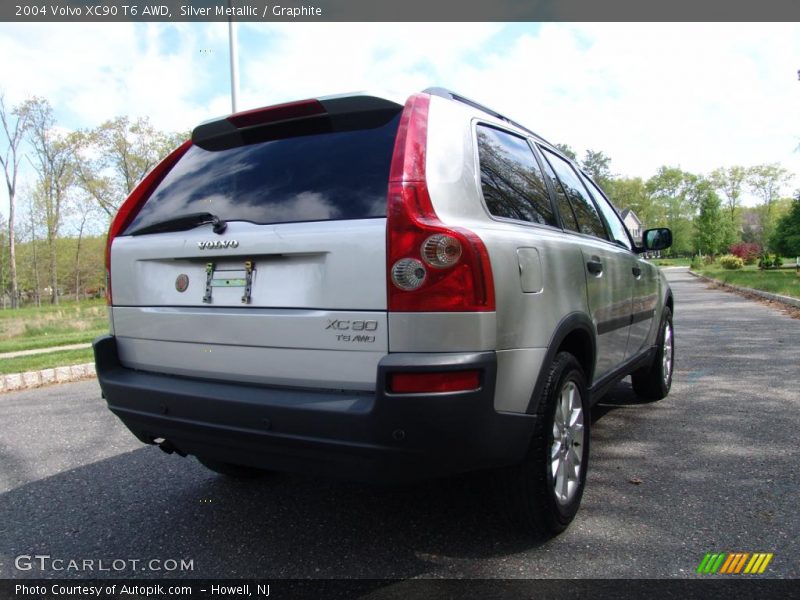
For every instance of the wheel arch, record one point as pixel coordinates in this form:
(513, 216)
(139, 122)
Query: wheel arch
(575, 333)
(670, 302)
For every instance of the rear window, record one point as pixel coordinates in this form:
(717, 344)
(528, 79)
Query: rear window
(320, 177)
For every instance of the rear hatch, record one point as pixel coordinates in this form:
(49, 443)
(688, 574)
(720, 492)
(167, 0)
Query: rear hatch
(261, 255)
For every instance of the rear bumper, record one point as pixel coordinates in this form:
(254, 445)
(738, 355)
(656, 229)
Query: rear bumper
(360, 435)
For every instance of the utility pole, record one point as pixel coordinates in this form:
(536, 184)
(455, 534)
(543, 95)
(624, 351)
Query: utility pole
(234, 55)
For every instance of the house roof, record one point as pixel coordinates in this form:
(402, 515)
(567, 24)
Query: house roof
(628, 212)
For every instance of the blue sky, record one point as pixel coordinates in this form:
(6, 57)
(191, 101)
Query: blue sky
(696, 96)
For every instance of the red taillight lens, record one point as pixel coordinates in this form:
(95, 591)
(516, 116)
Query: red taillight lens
(421, 383)
(133, 204)
(431, 267)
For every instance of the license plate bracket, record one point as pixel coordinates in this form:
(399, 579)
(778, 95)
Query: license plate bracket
(219, 278)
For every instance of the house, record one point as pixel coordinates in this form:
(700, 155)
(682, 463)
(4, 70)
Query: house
(633, 224)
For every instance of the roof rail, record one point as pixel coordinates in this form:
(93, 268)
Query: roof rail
(450, 95)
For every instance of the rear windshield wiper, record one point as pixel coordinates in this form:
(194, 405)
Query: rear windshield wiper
(183, 223)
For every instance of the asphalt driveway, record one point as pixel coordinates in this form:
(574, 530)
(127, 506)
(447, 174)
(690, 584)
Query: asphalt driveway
(713, 467)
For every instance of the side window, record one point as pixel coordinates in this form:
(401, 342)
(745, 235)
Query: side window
(615, 225)
(589, 221)
(564, 206)
(512, 182)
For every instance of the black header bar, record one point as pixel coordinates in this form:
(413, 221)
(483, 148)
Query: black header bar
(397, 10)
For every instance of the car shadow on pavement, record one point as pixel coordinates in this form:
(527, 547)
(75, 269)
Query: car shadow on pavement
(620, 396)
(144, 504)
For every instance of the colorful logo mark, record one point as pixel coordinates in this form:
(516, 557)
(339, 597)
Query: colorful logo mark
(734, 563)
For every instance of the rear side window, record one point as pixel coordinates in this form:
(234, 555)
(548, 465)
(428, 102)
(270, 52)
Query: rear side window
(512, 183)
(319, 177)
(585, 212)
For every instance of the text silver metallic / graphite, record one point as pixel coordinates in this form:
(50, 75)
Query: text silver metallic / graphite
(250, 10)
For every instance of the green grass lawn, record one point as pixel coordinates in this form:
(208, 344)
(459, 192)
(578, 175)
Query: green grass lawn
(779, 281)
(671, 262)
(68, 323)
(45, 361)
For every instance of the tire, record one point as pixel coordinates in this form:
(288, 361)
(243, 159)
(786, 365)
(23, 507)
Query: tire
(654, 382)
(231, 470)
(543, 501)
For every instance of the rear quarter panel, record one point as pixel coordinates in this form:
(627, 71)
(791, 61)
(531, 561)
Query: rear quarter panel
(526, 317)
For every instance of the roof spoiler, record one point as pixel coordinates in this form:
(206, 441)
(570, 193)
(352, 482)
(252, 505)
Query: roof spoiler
(305, 117)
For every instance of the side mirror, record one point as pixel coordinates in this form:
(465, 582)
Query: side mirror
(656, 239)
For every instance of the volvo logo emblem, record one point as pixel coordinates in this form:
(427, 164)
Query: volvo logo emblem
(182, 282)
(217, 244)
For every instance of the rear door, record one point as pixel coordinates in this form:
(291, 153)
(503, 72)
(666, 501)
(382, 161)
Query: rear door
(293, 291)
(607, 269)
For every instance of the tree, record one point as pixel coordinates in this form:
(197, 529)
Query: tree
(567, 150)
(3, 262)
(631, 193)
(730, 182)
(708, 225)
(85, 210)
(52, 159)
(111, 158)
(767, 182)
(596, 164)
(673, 190)
(786, 238)
(34, 263)
(13, 132)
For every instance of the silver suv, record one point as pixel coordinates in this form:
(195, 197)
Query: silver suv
(380, 289)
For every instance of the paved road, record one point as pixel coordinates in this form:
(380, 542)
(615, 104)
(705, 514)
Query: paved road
(717, 460)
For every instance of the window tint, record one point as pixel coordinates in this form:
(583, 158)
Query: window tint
(589, 221)
(512, 182)
(615, 225)
(323, 176)
(564, 207)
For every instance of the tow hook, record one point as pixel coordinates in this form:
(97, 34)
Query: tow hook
(170, 448)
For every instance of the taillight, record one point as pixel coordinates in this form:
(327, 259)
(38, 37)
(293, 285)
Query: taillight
(441, 251)
(133, 204)
(431, 267)
(421, 383)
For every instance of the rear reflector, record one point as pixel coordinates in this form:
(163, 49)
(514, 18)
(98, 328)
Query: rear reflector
(419, 383)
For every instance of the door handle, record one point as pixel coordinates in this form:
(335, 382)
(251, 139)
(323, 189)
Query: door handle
(594, 266)
(637, 272)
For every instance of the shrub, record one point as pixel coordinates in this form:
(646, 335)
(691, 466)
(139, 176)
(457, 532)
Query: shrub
(747, 251)
(697, 263)
(708, 259)
(767, 262)
(731, 262)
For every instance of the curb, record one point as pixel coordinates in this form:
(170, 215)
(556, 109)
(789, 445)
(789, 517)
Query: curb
(32, 379)
(795, 302)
